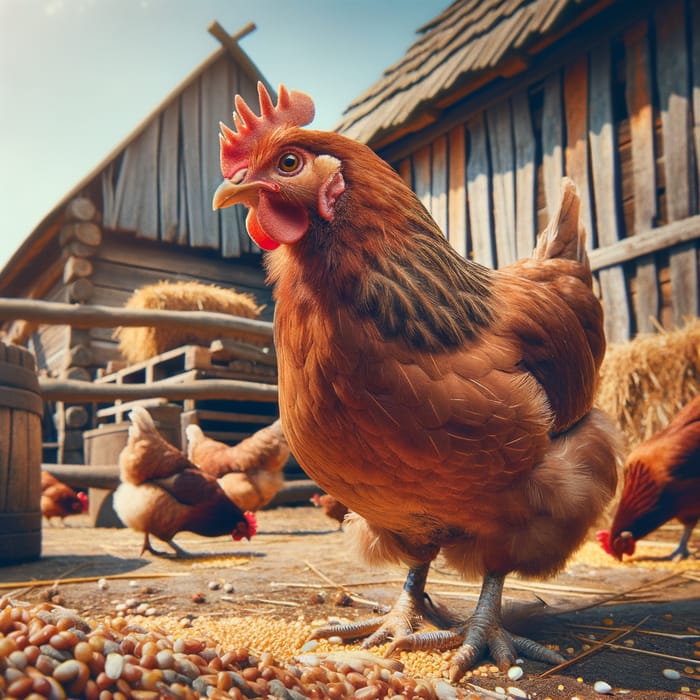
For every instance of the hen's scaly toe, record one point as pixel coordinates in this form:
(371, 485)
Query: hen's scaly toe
(350, 630)
(504, 648)
(407, 615)
(437, 640)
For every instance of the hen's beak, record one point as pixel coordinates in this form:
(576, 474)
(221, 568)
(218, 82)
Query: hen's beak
(227, 194)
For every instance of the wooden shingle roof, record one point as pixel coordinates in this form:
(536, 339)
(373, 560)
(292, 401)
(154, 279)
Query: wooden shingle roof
(469, 43)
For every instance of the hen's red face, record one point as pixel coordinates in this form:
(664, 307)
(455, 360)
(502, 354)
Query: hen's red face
(247, 528)
(617, 546)
(83, 498)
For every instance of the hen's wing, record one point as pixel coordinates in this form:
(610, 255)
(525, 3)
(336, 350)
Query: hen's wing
(147, 455)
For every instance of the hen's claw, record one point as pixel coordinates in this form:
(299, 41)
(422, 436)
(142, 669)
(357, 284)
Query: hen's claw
(406, 615)
(485, 631)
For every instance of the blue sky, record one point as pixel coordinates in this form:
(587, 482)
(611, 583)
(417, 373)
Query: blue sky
(77, 76)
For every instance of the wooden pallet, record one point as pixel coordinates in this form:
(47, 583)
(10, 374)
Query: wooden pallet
(224, 359)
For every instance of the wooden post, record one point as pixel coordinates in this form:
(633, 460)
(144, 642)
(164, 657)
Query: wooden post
(79, 237)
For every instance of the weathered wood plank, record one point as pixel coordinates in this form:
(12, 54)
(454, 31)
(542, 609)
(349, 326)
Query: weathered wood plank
(404, 170)
(174, 261)
(168, 162)
(576, 151)
(525, 177)
(673, 84)
(457, 199)
(646, 243)
(136, 194)
(638, 96)
(192, 161)
(499, 123)
(421, 176)
(695, 72)
(552, 142)
(478, 197)
(215, 108)
(234, 236)
(604, 172)
(438, 184)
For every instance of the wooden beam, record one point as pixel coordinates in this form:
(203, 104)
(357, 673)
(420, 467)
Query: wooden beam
(94, 316)
(106, 476)
(230, 43)
(89, 392)
(646, 242)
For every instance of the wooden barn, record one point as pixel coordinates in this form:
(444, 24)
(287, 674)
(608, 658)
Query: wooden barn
(496, 101)
(140, 217)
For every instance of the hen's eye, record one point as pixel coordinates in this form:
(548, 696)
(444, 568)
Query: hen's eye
(289, 163)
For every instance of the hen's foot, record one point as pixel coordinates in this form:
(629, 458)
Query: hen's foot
(177, 553)
(408, 613)
(682, 552)
(485, 631)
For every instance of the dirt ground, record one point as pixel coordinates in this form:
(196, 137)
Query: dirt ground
(298, 568)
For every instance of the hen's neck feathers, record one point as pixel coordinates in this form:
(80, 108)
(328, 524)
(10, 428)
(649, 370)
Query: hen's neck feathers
(383, 257)
(641, 509)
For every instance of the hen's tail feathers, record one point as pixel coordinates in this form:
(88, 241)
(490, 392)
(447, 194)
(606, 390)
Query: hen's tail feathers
(141, 422)
(564, 236)
(194, 434)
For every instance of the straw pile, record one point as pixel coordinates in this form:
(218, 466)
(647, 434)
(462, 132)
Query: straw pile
(141, 343)
(646, 381)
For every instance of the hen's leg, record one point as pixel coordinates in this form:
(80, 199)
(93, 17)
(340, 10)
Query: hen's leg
(485, 630)
(406, 615)
(147, 546)
(681, 551)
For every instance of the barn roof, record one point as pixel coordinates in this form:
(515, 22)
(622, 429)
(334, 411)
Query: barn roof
(156, 182)
(468, 44)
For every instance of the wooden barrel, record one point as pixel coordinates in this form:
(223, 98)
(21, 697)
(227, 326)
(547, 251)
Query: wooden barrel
(21, 409)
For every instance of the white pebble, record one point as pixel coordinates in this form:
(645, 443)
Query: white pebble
(120, 607)
(445, 691)
(131, 602)
(214, 585)
(602, 687)
(310, 645)
(102, 584)
(149, 612)
(228, 588)
(133, 584)
(671, 674)
(141, 609)
(515, 673)
(335, 640)
(517, 693)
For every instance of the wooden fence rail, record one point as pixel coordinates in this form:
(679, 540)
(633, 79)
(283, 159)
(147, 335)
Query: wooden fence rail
(231, 389)
(86, 316)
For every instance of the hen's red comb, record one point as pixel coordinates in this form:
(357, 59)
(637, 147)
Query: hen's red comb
(293, 108)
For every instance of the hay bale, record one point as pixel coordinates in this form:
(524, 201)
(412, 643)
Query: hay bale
(141, 343)
(646, 381)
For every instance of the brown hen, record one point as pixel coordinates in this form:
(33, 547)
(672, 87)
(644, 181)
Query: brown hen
(163, 493)
(448, 405)
(250, 472)
(58, 500)
(662, 482)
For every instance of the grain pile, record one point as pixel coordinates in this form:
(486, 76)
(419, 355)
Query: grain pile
(50, 652)
(141, 343)
(646, 381)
